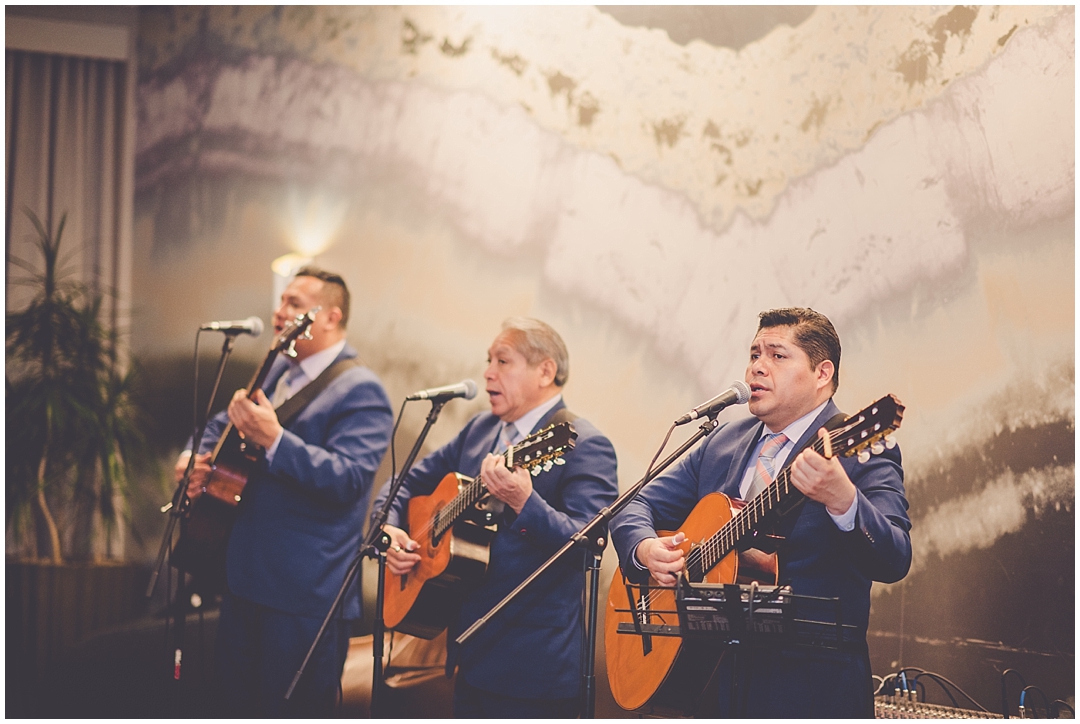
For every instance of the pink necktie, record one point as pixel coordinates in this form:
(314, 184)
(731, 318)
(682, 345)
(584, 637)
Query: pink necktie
(764, 473)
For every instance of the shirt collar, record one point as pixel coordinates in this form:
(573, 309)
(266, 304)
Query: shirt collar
(797, 429)
(314, 365)
(527, 422)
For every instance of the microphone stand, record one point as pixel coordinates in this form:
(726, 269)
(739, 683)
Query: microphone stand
(374, 546)
(592, 537)
(178, 507)
(180, 502)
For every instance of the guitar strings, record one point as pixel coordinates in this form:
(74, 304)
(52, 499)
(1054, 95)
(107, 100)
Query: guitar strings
(727, 533)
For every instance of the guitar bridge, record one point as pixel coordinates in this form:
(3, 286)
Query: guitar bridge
(641, 615)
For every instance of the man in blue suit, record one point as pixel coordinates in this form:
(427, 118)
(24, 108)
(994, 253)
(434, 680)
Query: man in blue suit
(300, 522)
(526, 661)
(852, 529)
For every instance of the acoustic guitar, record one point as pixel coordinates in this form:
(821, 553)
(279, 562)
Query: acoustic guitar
(666, 671)
(454, 527)
(207, 523)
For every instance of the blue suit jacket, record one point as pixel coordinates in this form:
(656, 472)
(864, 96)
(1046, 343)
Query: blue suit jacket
(532, 648)
(300, 522)
(817, 559)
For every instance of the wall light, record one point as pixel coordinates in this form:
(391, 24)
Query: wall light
(284, 269)
(314, 222)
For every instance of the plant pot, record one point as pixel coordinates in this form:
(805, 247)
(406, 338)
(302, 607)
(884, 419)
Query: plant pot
(51, 607)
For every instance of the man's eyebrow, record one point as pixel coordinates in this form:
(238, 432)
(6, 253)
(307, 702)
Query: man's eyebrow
(769, 345)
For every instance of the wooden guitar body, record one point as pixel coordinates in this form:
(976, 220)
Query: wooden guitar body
(665, 671)
(205, 530)
(422, 602)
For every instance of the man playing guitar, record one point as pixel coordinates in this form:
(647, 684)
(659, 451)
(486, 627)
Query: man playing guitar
(527, 660)
(851, 530)
(298, 525)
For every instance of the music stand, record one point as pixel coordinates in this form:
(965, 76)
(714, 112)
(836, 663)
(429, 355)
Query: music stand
(744, 617)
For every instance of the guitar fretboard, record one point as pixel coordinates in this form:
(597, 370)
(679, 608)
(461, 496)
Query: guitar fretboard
(449, 514)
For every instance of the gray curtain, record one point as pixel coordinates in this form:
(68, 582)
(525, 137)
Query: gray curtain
(70, 152)
(67, 154)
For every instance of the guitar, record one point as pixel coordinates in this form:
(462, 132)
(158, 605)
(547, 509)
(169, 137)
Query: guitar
(454, 527)
(207, 522)
(665, 670)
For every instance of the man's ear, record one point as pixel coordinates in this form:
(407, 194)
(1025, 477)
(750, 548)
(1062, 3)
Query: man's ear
(548, 368)
(333, 317)
(825, 372)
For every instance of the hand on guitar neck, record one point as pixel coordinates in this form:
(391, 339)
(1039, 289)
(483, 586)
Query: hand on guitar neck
(512, 487)
(254, 418)
(822, 478)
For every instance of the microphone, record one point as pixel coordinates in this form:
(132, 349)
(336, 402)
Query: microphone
(251, 325)
(737, 394)
(466, 389)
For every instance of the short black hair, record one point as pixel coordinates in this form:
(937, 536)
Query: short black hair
(335, 292)
(813, 332)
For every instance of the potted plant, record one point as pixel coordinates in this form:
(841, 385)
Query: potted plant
(72, 429)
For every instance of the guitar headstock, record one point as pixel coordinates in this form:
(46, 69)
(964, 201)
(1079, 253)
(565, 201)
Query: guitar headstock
(543, 449)
(295, 329)
(868, 428)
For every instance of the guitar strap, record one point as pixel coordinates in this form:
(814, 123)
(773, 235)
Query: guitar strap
(563, 415)
(296, 404)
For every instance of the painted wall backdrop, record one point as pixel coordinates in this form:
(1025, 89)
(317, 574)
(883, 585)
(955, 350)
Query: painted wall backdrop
(647, 179)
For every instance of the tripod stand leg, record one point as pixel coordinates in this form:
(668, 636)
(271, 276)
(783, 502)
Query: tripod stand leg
(588, 668)
(377, 642)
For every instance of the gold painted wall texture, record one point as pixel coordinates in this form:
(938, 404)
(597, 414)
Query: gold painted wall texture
(909, 171)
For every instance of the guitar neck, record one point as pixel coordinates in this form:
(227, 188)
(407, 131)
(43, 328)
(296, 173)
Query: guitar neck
(256, 383)
(469, 496)
(539, 451)
(780, 492)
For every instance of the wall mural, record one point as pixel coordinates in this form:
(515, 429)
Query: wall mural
(647, 180)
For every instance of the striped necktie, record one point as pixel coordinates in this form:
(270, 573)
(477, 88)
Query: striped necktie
(764, 472)
(508, 435)
(283, 390)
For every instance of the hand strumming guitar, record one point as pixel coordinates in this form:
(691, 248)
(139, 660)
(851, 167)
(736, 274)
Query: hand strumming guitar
(199, 474)
(400, 558)
(662, 557)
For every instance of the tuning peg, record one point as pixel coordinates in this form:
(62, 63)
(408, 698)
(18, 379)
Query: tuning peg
(547, 465)
(560, 461)
(290, 351)
(890, 441)
(864, 456)
(877, 448)
(535, 471)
